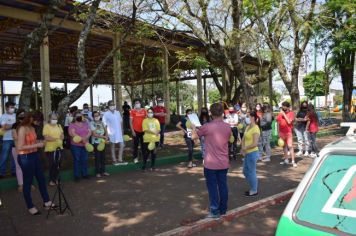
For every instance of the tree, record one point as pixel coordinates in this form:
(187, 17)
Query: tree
(337, 23)
(90, 16)
(314, 84)
(32, 42)
(225, 30)
(214, 96)
(287, 28)
(57, 94)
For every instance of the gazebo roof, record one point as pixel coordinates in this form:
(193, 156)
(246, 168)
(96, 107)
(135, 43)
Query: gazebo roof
(19, 17)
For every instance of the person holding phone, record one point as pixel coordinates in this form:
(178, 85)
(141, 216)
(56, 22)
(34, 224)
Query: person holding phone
(186, 126)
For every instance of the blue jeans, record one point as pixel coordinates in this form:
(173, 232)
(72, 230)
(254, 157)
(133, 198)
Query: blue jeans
(80, 160)
(7, 146)
(249, 169)
(303, 139)
(31, 166)
(202, 145)
(161, 139)
(216, 181)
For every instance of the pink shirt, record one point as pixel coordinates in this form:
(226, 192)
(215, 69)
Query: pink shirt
(81, 131)
(216, 137)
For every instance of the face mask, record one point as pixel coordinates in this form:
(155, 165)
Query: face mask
(258, 108)
(247, 120)
(137, 106)
(160, 104)
(21, 119)
(112, 108)
(54, 122)
(204, 112)
(304, 108)
(243, 109)
(86, 109)
(79, 118)
(150, 115)
(97, 118)
(11, 110)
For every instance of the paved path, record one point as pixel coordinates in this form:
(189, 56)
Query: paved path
(137, 203)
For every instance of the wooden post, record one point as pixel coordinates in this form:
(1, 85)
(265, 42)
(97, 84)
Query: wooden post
(36, 96)
(270, 85)
(199, 89)
(165, 81)
(177, 97)
(91, 98)
(2, 97)
(117, 73)
(45, 78)
(66, 87)
(205, 95)
(112, 92)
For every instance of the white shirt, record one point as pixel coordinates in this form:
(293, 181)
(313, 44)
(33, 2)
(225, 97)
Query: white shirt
(113, 122)
(8, 119)
(232, 119)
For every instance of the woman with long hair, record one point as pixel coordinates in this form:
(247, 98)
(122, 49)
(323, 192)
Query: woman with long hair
(250, 151)
(186, 126)
(29, 160)
(300, 130)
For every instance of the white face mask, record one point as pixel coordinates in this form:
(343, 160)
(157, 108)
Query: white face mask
(258, 108)
(11, 110)
(137, 105)
(247, 120)
(97, 118)
(160, 104)
(112, 108)
(86, 109)
(150, 115)
(54, 122)
(244, 109)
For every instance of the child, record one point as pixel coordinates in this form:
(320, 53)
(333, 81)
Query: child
(99, 135)
(151, 128)
(312, 128)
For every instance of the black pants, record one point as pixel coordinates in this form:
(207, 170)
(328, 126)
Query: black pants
(147, 153)
(137, 140)
(53, 165)
(99, 160)
(233, 146)
(190, 146)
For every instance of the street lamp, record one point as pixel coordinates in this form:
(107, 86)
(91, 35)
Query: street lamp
(315, 51)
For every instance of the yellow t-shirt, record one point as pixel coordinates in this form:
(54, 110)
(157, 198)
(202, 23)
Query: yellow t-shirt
(54, 132)
(153, 125)
(248, 136)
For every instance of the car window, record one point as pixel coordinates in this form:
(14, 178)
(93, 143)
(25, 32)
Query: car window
(330, 200)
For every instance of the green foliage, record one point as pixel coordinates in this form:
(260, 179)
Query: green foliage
(192, 58)
(314, 84)
(57, 94)
(338, 99)
(214, 96)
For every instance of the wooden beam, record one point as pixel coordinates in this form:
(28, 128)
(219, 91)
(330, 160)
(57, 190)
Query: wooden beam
(199, 89)
(117, 70)
(36, 96)
(165, 80)
(2, 96)
(91, 98)
(30, 16)
(45, 78)
(205, 95)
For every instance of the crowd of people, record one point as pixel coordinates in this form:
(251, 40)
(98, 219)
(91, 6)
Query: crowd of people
(226, 132)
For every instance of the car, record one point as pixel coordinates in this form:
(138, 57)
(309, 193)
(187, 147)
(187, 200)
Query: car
(324, 202)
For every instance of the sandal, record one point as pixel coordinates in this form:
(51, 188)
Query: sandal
(49, 205)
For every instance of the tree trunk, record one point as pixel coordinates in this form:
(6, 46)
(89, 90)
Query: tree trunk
(32, 42)
(346, 72)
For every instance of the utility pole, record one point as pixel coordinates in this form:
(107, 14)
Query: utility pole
(315, 51)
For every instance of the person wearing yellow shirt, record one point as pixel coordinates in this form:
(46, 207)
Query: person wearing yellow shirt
(151, 128)
(250, 151)
(53, 135)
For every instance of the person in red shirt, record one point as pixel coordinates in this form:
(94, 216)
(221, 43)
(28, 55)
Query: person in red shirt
(137, 115)
(160, 113)
(312, 128)
(285, 121)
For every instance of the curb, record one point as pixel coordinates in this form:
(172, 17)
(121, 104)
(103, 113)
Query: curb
(230, 215)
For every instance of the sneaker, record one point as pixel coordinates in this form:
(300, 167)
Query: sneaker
(306, 154)
(136, 160)
(285, 162)
(266, 159)
(313, 155)
(298, 154)
(212, 216)
(249, 194)
(288, 153)
(294, 164)
(98, 175)
(105, 174)
(51, 183)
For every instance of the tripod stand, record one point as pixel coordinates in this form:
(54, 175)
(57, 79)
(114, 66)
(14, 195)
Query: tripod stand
(63, 204)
